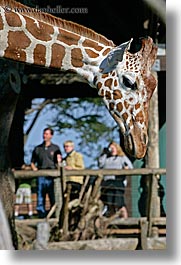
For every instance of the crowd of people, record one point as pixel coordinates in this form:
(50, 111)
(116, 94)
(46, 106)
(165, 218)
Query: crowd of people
(48, 155)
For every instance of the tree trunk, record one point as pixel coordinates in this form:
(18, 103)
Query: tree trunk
(9, 89)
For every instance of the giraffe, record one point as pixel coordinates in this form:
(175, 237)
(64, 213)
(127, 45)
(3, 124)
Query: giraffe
(122, 76)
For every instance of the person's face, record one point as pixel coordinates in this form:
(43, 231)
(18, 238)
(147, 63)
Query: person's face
(68, 147)
(47, 136)
(113, 150)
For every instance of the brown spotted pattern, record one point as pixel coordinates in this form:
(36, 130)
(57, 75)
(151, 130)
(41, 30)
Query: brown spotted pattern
(42, 43)
(76, 57)
(91, 53)
(68, 38)
(40, 30)
(46, 45)
(40, 54)
(129, 106)
(117, 94)
(119, 107)
(91, 43)
(1, 23)
(58, 53)
(16, 48)
(108, 83)
(13, 19)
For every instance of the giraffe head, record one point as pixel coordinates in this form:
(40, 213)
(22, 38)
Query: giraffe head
(126, 84)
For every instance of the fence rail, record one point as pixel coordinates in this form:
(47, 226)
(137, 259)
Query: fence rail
(61, 174)
(146, 227)
(84, 172)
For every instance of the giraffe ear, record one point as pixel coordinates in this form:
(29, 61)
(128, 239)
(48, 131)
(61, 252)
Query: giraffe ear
(115, 56)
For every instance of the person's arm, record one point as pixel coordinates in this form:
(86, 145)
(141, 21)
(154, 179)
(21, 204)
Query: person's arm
(127, 163)
(33, 161)
(57, 157)
(102, 160)
(34, 167)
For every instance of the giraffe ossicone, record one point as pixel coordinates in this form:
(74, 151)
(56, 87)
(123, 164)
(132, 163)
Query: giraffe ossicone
(121, 74)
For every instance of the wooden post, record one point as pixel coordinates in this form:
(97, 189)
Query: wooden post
(63, 187)
(96, 189)
(10, 87)
(5, 235)
(42, 237)
(152, 160)
(58, 193)
(144, 229)
(65, 216)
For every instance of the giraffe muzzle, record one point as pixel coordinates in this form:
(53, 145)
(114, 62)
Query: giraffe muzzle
(136, 143)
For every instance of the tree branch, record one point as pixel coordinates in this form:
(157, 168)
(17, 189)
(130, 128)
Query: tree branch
(39, 109)
(42, 105)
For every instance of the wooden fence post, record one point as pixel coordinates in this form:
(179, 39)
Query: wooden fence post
(42, 237)
(152, 160)
(58, 184)
(5, 235)
(63, 187)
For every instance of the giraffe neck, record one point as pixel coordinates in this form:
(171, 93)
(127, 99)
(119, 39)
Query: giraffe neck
(41, 39)
(123, 78)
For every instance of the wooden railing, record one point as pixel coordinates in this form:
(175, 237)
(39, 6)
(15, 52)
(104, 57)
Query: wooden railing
(145, 228)
(84, 172)
(61, 173)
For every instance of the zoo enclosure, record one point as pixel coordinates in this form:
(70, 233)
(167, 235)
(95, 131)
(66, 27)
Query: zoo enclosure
(60, 175)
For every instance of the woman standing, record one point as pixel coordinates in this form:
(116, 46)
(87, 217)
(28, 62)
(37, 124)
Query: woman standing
(113, 187)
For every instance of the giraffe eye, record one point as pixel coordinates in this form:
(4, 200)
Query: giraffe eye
(129, 83)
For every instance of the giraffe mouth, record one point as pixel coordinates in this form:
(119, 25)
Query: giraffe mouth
(136, 143)
(135, 138)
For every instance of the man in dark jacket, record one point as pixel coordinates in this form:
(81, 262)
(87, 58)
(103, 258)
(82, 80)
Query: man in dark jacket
(44, 156)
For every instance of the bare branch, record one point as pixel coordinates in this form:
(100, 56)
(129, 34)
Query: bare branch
(39, 108)
(42, 105)
(33, 122)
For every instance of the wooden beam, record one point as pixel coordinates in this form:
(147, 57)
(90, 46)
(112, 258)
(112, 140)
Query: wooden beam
(122, 231)
(35, 222)
(99, 244)
(131, 221)
(92, 172)
(156, 243)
